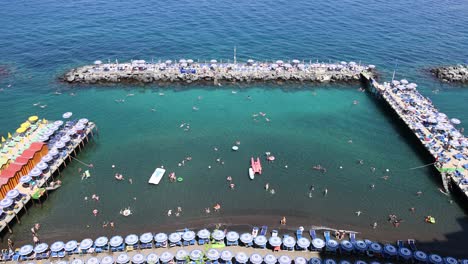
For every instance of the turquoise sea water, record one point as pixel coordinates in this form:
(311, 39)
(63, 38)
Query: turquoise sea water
(40, 40)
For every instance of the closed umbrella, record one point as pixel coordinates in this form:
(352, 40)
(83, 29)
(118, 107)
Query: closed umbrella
(246, 238)
(160, 237)
(305, 243)
(152, 258)
(57, 246)
(421, 256)
(71, 245)
(275, 241)
(300, 260)
(435, 259)
(146, 237)
(241, 257)
(256, 258)
(122, 258)
(41, 248)
(318, 243)
(196, 254)
(232, 236)
(203, 234)
(213, 254)
(107, 260)
(93, 260)
(26, 250)
(188, 236)
(116, 241)
(86, 243)
(175, 237)
(138, 258)
(260, 240)
(289, 242)
(284, 260)
(218, 234)
(269, 259)
(181, 254)
(226, 255)
(101, 241)
(166, 257)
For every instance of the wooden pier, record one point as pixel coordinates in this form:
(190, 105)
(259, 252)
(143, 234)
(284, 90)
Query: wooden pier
(35, 193)
(445, 143)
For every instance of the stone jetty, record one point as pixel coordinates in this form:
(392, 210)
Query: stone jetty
(188, 71)
(453, 74)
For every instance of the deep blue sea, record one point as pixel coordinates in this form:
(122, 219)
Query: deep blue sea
(310, 124)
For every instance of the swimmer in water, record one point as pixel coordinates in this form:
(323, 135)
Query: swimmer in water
(267, 186)
(272, 191)
(372, 186)
(310, 194)
(358, 213)
(207, 210)
(169, 213)
(418, 193)
(325, 192)
(229, 178)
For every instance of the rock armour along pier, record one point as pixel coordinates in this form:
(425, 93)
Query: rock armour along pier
(453, 74)
(188, 71)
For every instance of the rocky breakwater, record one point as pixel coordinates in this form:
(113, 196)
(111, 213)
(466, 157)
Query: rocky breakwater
(188, 71)
(455, 74)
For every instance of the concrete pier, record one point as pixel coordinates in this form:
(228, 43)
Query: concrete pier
(187, 71)
(436, 132)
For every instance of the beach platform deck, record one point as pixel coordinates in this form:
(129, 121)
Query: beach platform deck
(40, 187)
(436, 132)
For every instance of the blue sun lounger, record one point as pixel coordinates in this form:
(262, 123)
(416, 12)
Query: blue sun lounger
(326, 235)
(352, 237)
(412, 244)
(264, 230)
(298, 234)
(312, 234)
(400, 244)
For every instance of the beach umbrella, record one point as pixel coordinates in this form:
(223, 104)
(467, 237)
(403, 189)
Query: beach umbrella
(405, 253)
(213, 61)
(35, 172)
(404, 81)
(77, 261)
(97, 62)
(79, 126)
(131, 239)
(71, 245)
(318, 243)
(182, 61)
(232, 236)
(226, 255)
(287, 65)
(43, 138)
(329, 261)
(12, 194)
(250, 61)
(166, 257)
(53, 152)
(196, 254)
(260, 240)
(146, 237)
(190, 61)
(269, 259)
(360, 245)
(7, 202)
(86, 243)
(218, 234)
(122, 258)
(101, 241)
(26, 250)
(375, 262)
(203, 234)
(188, 236)
(279, 62)
(213, 254)
(42, 247)
(168, 62)
(57, 246)
(65, 139)
(371, 66)
(184, 64)
(450, 260)
(138, 258)
(58, 123)
(305, 243)
(42, 166)
(296, 61)
(160, 237)
(346, 245)
(246, 238)
(93, 260)
(435, 259)
(152, 258)
(83, 121)
(274, 65)
(300, 260)
(360, 262)
(116, 241)
(241, 257)
(256, 258)
(284, 260)
(59, 145)
(289, 242)
(345, 262)
(455, 121)
(58, 262)
(46, 158)
(420, 256)
(390, 250)
(375, 247)
(332, 244)
(174, 237)
(275, 241)
(67, 115)
(181, 254)
(107, 260)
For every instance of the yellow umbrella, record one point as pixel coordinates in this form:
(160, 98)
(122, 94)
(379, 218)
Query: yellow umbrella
(33, 119)
(3, 139)
(44, 121)
(20, 130)
(9, 135)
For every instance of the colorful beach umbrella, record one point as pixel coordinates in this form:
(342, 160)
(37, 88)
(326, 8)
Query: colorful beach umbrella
(346, 245)
(375, 247)
(360, 245)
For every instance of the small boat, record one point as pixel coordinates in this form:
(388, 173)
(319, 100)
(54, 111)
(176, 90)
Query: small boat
(157, 176)
(251, 174)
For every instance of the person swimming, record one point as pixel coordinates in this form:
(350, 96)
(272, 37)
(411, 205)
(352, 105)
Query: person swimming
(229, 178)
(272, 191)
(267, 186)
(325, 192)
(169, 212)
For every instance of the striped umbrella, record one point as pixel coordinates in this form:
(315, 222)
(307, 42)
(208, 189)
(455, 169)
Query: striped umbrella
(405, 253)
(166, 257)
(451, 260)
(346, 245)
(361, 245)
(213, 254)
(318, 243)
(390, 250)
(284, 260)
(152, 258)
(332, 244)
(107, 260)
(375, 247)
(138, 258)
(435, 259)
(122, 258)
(256, 258)
(421, 256)
(92, 260)
(270, 259)
(196, 254)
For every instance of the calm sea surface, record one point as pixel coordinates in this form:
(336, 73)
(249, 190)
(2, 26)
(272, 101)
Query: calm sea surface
(40, 40)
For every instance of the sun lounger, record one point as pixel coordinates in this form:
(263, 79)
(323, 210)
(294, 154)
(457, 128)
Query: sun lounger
(412, 244)
(312, 234)
(274, 233)
(326, 235)
(298, 233)
(352, 237)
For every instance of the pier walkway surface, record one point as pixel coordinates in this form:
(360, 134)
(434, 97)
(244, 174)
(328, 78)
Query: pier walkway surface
(61, 141)
(188, 71)
(434, 129)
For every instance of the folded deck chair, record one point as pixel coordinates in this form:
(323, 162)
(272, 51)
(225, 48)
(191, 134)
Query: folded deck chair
(264, 230)
(412, 244)
(326, 235)
(312, 234)
(400, 243)
(298, 233)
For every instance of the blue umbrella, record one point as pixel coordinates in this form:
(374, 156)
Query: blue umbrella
(390, 250)
(405, 253)
(101, 241)
(86, 243)
(246, 238)
(59, 145)
(146, 237)
(435, 259)
(152, 258)
(226, 255)
(450, 260)
(346, 245)
(181, 254)
(25, 179)
(289, 242)
(7, 202)
(71, 245)
(58, 123)
(65, 139)
(305, 243)
(332, 244)
(256, 258)
(107, 260)
(196, 254)
(41, 248)
(315, 261)
(26, 250)
(203, 234)
(131, 239)
(53, 152)
(160, 237)
(260, 240)
(12, 194)
(122, 258)
(116, 241)
(232, 236)
(361, 245)
(35, 172)
(274, 241)
(241, 257)
(47, 158)
(166, 257)
(174, 237)
(345, 262)
(464, 261)
(375, 247)
(421, 256)
(188, 236)
(375, 262)
(42, 166)
(57, 246)
(213, 254)
(329, 261)
(92, 260)
(284, 260)
(318, 243)
(300, 260)
(138, 258)
(218, 234)
(269, 259)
